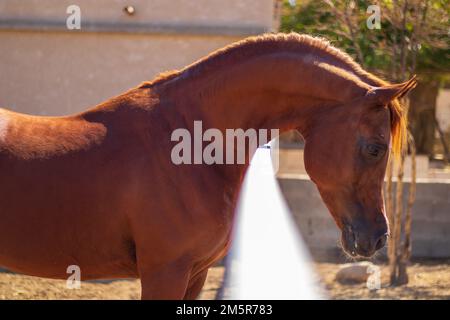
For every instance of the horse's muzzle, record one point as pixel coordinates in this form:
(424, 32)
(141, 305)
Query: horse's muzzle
(361, 242)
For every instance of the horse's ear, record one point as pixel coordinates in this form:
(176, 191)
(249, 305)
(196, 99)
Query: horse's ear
(395, 91)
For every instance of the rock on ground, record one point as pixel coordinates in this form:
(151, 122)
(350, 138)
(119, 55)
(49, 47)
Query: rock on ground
(357, 272)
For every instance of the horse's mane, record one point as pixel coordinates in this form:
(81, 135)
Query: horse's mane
(303, 44)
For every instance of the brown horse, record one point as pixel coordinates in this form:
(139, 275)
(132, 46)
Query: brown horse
(99, 190)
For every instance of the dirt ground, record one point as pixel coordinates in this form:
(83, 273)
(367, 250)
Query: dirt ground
(428, 280)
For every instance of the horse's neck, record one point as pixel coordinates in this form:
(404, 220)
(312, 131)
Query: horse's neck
(282, 91)
(269, 92)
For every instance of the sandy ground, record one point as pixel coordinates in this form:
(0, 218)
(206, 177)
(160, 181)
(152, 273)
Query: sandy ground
(427, 281)
(17, 287)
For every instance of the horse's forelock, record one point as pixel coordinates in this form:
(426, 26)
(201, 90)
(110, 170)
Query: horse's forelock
(398, 127)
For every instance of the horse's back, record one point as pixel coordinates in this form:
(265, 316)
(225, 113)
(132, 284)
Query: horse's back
(30, 137)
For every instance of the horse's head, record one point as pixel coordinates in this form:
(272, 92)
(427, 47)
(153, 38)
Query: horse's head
(346, 155)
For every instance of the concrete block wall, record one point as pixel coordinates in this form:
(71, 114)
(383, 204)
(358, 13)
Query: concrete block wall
(430, 218)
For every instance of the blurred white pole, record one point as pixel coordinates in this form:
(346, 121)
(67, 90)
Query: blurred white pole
(268, 259)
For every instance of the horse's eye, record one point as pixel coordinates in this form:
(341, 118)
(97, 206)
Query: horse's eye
(375, 151)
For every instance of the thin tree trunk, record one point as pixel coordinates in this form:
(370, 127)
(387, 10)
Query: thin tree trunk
(404, 45)
(406, 247)
(351, 29)
(390, 209)
(397, 220)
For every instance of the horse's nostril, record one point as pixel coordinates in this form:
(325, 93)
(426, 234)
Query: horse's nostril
(381, 242)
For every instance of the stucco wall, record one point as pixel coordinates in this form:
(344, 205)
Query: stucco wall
(54, 73)
(47, 69)
(443, 109)
(182, 12)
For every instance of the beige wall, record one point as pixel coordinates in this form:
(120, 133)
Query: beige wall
(185, 12)
(443, 109)
(46, 69)
(60, 73)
